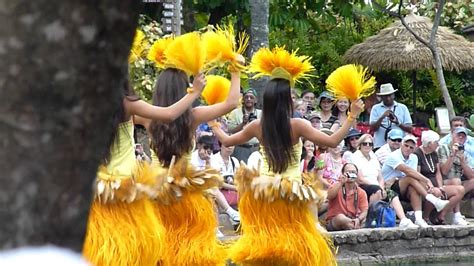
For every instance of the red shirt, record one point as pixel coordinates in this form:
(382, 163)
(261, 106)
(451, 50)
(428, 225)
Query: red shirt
(338, 205)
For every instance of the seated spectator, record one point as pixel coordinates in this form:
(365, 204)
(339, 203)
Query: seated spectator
(428, 165)
(309, 97)
(300, 109)
(350, 144)
(371, 181)
(308, 158)
(400, 174)
(459, 121)
(315, 119)
(455, 161)
(348, 204)
(333, 163)
(294, 96)
(228, 166)
(201, 158)
(325, 103)
(394, 140)
(340, 110)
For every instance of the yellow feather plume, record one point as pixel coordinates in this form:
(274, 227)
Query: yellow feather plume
(138, 46)
(351, 81)
(279, 63)
(186, 52)
(221, 45)
(216, 90)
(157, 51)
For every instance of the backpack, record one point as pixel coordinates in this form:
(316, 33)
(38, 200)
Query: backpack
(380, 214)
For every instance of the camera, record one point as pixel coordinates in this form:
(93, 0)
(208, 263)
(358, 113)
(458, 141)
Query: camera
(351, 176)
(460, 147)
(252, 116)
(309, 108)
(391, 116)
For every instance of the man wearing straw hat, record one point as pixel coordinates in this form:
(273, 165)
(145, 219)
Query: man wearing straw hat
(388, 115)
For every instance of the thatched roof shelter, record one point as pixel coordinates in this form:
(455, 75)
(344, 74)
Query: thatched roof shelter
(395, 48)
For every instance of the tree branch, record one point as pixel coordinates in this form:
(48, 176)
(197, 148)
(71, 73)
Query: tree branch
(436, 23)
(402, 20)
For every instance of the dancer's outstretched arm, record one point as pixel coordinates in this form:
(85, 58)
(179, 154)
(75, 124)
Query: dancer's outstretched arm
(144, 110)
(241, 137)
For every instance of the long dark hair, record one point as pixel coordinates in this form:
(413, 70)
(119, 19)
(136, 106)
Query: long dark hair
(119, 116)
(173, 138)
(276, 126)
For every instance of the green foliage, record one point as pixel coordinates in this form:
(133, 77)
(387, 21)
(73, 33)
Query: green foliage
(142, 72)
(456, 14)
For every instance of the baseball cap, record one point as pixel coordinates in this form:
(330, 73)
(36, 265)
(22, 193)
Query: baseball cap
(460, 130)
(395, 134)
(314, 114)
(410, 137)
(252, 91)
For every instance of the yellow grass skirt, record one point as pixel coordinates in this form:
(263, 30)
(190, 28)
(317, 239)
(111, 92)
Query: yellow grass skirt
(187, 214)
(275, 229)
(190, 225)
(124, 229)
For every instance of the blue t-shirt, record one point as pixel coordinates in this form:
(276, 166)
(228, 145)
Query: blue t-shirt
(402, 113)
(393, 160)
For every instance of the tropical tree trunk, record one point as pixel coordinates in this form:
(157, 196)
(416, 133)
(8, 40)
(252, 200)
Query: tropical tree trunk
(62, 63)
(442, 84)
(258, 34)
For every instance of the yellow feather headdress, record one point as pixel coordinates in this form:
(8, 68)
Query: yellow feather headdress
(157, 51)
(186, 52)
(221, 45)
(138, 46)
(216, 90)
(279, 63)
(351, 81)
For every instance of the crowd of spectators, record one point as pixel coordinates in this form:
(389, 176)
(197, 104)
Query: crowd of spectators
(429, 180)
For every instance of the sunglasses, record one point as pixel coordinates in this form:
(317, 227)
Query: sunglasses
(396, 140)
(370, 144)
(409, 146)
(353, 138)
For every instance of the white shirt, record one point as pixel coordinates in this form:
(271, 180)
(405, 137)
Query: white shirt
(197, 162)
(370, 169)
(382, 153)
(226, 169)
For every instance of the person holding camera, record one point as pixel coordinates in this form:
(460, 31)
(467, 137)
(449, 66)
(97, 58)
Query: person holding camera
(388, 115)
(239, 118)
(348, 203)
(455, 163)
(459, 121)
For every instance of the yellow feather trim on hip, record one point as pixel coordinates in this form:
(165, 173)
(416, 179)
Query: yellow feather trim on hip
(170, 184)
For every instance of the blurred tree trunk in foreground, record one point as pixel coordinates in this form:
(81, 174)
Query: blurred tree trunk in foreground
(62, 63)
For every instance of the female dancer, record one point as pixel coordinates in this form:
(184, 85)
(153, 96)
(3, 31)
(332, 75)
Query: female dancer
(277, 224)
(123, 228)
(183, 205)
